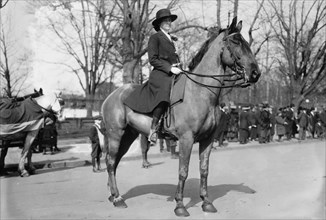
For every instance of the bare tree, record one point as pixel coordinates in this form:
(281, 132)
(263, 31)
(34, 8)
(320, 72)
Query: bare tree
(136, 28)
(3, 3)
(235, 8)
(300, 38)
(84, 40)
(218, 13)
(13, 68)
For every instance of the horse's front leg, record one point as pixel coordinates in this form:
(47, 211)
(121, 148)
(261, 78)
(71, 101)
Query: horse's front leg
(185, 147)
(25, 153)
(205, 148)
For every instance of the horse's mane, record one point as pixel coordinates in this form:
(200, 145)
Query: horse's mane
(204, 48)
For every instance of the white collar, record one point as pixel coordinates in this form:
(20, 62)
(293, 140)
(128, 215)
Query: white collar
(168, 35)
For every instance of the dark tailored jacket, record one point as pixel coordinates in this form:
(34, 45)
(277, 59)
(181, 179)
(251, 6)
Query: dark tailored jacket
(303, 120)
(223, 124)
(265, 119)
(253, 118)
(244, 120)
(280, 122)
(161, 55)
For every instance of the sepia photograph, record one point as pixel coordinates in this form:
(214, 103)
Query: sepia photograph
(162, 109)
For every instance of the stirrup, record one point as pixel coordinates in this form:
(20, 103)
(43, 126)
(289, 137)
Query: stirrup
(152, 137)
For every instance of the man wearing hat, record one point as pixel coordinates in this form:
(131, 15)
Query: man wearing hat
(265, 124)
(244, 125)
(97, 139)
(153, 97)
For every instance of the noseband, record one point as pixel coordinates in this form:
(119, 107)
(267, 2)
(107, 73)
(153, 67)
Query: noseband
(239, 70)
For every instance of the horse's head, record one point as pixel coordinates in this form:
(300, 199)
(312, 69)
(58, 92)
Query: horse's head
(50, 102)
(237, 54)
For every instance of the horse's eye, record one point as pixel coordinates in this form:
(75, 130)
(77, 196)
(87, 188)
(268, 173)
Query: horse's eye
(235, 42)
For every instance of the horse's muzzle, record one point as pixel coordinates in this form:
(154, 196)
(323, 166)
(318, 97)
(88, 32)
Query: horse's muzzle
(254, 76)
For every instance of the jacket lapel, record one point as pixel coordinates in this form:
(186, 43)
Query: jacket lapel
(166, 38)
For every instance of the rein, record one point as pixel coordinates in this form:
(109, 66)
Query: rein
(187, 73)
(237, 68)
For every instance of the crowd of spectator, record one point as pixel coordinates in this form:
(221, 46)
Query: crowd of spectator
(264, 123)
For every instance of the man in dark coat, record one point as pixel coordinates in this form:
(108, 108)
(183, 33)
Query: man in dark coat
(94, 135)
(313, 120)
(244, 125)
(153, 97)
(265, 124)
(222, 125)
(280, 125)
(289, 118)
(302, 123)
(253, 120)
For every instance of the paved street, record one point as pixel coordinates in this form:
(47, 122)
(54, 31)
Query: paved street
(288, 181)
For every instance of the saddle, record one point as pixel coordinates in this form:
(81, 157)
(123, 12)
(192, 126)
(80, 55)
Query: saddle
(176, 97)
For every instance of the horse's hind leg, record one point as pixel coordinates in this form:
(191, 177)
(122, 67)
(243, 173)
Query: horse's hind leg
(31, 168)
(3, 153)
(205, 148)
(118, 146)
(26, 153)
(144, 144)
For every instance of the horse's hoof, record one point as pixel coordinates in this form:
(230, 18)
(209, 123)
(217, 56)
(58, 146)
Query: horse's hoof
(181, 212)
(208, 207)
(24, 174)
(146, 165)
(120, 204)
(111, 198)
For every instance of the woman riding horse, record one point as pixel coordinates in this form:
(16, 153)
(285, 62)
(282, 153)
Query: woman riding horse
(153, 97)
(195, 119)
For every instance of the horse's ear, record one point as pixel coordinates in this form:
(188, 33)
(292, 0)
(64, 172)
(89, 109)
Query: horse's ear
(239, 26)
(233, 24)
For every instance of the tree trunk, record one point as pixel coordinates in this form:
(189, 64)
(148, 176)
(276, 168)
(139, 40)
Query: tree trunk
(89, 104)
(235, 9)
(129, 75)
(218, 13)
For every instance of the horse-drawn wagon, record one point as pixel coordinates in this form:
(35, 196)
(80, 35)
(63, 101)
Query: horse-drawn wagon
(21, 122)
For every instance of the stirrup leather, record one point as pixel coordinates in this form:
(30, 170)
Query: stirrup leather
(152, 137)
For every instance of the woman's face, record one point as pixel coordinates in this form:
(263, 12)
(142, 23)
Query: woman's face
(166, 24)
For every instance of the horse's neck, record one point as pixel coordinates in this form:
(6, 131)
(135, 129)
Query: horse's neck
(41, 101)
(210, 65)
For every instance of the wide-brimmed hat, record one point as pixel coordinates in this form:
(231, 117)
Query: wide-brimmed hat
(161, 14)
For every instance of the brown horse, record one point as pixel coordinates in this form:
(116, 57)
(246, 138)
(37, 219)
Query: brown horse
(34, 110)
(195, 118)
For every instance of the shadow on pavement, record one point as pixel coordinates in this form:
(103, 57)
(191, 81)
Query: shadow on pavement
(168, 190)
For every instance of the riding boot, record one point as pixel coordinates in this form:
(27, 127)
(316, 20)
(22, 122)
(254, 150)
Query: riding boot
(153, 131)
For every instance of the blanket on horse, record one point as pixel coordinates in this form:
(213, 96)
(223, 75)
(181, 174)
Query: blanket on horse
(21, 116)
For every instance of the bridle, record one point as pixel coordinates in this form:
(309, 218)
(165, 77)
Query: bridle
(239, 70)
(49, 109)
